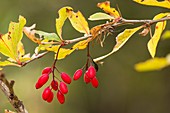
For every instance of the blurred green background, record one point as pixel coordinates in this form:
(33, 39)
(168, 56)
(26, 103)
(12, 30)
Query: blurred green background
(121, 89)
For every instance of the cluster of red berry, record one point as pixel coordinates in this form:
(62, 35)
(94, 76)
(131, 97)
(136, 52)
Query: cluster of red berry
(89, 76)
(61, 86)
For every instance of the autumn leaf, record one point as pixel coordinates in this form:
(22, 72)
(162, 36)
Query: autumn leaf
(162, 3)
(7, 63)
(100, 16)
(160, 26)
(31, 34)
(10, 44)
(121, 39)
(106, 7)
(153, 64)
(63, 52)
(60, 21)
(166, 35)
(78, 21)
(8, 111)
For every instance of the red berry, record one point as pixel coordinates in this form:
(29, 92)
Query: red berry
(46, 93)
(63, 88)
(50, 98)
(86, 79)
(54, 85)
(77, 74)
(46, 70)
(66, 78)
(95, 82)
(42, 80)
(37, 86)
(60, 97)
(91, 72)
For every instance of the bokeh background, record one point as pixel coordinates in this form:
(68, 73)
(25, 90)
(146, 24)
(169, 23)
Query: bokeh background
(121, 89)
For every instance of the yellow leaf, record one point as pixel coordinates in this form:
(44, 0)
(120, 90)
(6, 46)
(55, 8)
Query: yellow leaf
(7, 63)
(153, 42)
(63, 52)
(100, 16)
(166, 35)
(60, 21)
(78, 21)
(152, 64)
(106, 7)
(162, 3)
(9, 42)
(80, 45)
(121, 39)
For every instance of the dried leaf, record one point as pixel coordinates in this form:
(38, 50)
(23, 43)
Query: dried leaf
(31, 34)
(78, 21)
(166, 35)
(100, 16)
(152, 64)
(160, 26)
(121, 39)
(60, 21)
(106, 7)
(8, 111)
(145, 31)
(161, 3)
(43, 36)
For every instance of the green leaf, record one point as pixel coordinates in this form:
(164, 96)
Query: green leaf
(100, 16)
(166, 35)
(48, 36)
(161, 3)
(160, 26)
(121, 39)
(60, 21)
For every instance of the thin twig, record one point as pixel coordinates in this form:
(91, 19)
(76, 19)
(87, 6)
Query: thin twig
(7, 89)
(34, 58)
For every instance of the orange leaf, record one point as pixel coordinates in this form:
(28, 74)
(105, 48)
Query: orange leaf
(106, 7)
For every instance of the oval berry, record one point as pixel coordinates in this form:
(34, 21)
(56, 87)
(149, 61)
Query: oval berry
(47, 70)
(60, 97)
(42, 80)
(63, 88)
(54, 85)
(37, 85)
(91, 72)
(46, 93)
(77, 74)
(50, 98)
(66, 78)
(95, 82)
(86, 79)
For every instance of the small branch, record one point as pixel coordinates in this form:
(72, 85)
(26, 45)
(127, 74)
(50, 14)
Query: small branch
(77, 39)
(7, 89)
(34, 58)
(145, 21)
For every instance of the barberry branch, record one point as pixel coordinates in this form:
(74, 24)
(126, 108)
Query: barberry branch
(34, 58)
(7, 89)
(104, 28)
